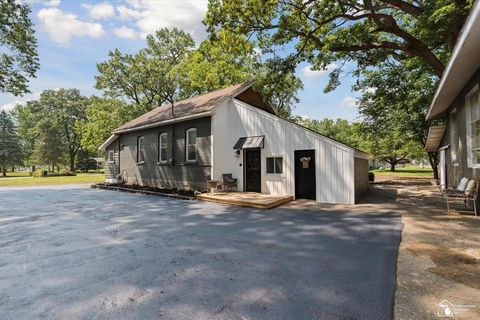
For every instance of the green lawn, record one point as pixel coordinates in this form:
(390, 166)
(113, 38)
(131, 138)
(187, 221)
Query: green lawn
(29, 181)
(16, 174)
(407, 171)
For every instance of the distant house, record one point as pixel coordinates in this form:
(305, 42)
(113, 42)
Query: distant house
(457, 100)
(234, 131)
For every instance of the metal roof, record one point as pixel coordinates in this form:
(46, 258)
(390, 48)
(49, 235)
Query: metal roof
(435, 136)
(249, 143)
(188, 107)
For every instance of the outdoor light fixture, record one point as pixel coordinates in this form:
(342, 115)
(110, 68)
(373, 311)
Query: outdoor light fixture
(236, 153)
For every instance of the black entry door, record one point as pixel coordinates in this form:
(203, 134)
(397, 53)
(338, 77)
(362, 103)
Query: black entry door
(305, 174)
(252, 170)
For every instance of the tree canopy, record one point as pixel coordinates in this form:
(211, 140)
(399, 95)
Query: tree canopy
(18, 47)
(50, 124)
(367, 32)
(103, 115)
(148, 77)
(394, 101)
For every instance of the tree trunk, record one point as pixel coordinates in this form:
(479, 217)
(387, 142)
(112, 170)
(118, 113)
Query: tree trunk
(72, 162)
(72, 155)
(433, 159)
(4, 171)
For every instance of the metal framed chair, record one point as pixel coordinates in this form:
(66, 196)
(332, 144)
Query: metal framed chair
(229, 182)
(470, 193)
(211, 184)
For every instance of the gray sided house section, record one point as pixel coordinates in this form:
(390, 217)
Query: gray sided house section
(456, 171)
(361, 177)
(177, 172)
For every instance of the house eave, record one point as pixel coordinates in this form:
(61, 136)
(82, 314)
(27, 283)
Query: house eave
(461, 66)
(108, 142)
(165, 122)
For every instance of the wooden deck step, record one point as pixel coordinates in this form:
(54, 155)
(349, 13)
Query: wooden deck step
(246, 199)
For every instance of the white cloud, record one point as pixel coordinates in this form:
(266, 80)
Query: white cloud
(128, 13)
(125, 32)
(63, 26)
(9, 106)
(27, 97)
(149, 16)
(100, 11)
(307, 72)
(349, 102)
(47, 3)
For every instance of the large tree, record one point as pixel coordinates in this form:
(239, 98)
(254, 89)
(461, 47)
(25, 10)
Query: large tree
(228, 59)
(66, 109)
(50, 145)
(103, 116)
(365, 31)
(18, 47)
(49, 126)
(10, 145)
(395, 98)
(147, 77)
(350, 133)
(24, 115)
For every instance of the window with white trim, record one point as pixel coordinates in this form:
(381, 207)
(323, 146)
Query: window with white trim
(111, 156)
(162, 147)
(191, 145)
(275, 165)
(454, 137)
(140, 149)
(473, 129)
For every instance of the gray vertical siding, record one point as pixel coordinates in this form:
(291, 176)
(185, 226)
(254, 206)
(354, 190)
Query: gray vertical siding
(361, 177)
(177, 172)
(455, 173)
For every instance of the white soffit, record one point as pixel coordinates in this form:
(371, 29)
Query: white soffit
(463, 64)
(108, 142)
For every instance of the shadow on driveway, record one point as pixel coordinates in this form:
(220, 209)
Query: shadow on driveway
(84, 254)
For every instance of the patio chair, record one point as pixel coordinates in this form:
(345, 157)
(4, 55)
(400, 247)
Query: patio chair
(459, 188)
(229, 182)
(211, 184)
(462, 192)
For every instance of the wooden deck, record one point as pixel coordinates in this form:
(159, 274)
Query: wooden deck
(246, 199)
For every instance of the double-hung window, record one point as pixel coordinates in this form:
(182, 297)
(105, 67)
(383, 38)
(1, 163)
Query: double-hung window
(111, 156)
(473, 129)
(163, 147)
(191, 145)
(275, 165)
(140, 150)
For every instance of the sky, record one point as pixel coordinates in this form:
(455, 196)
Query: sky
(74, 35)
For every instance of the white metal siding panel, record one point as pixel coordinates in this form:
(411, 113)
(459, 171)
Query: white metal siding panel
(234, 119)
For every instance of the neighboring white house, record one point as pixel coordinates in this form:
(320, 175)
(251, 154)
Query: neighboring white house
(245, 138)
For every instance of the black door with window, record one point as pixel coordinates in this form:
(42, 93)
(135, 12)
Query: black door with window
(252, 170)
(305, 174)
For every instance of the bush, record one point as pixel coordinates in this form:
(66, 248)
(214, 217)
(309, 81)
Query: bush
(371, 176)
(44, 173)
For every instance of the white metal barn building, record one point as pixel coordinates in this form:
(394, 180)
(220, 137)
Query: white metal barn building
(234, 131)
(331, 172)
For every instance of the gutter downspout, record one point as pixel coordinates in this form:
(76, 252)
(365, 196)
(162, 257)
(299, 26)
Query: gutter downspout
(119, 150)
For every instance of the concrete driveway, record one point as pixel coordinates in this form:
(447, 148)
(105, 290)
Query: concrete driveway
(77, 253)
